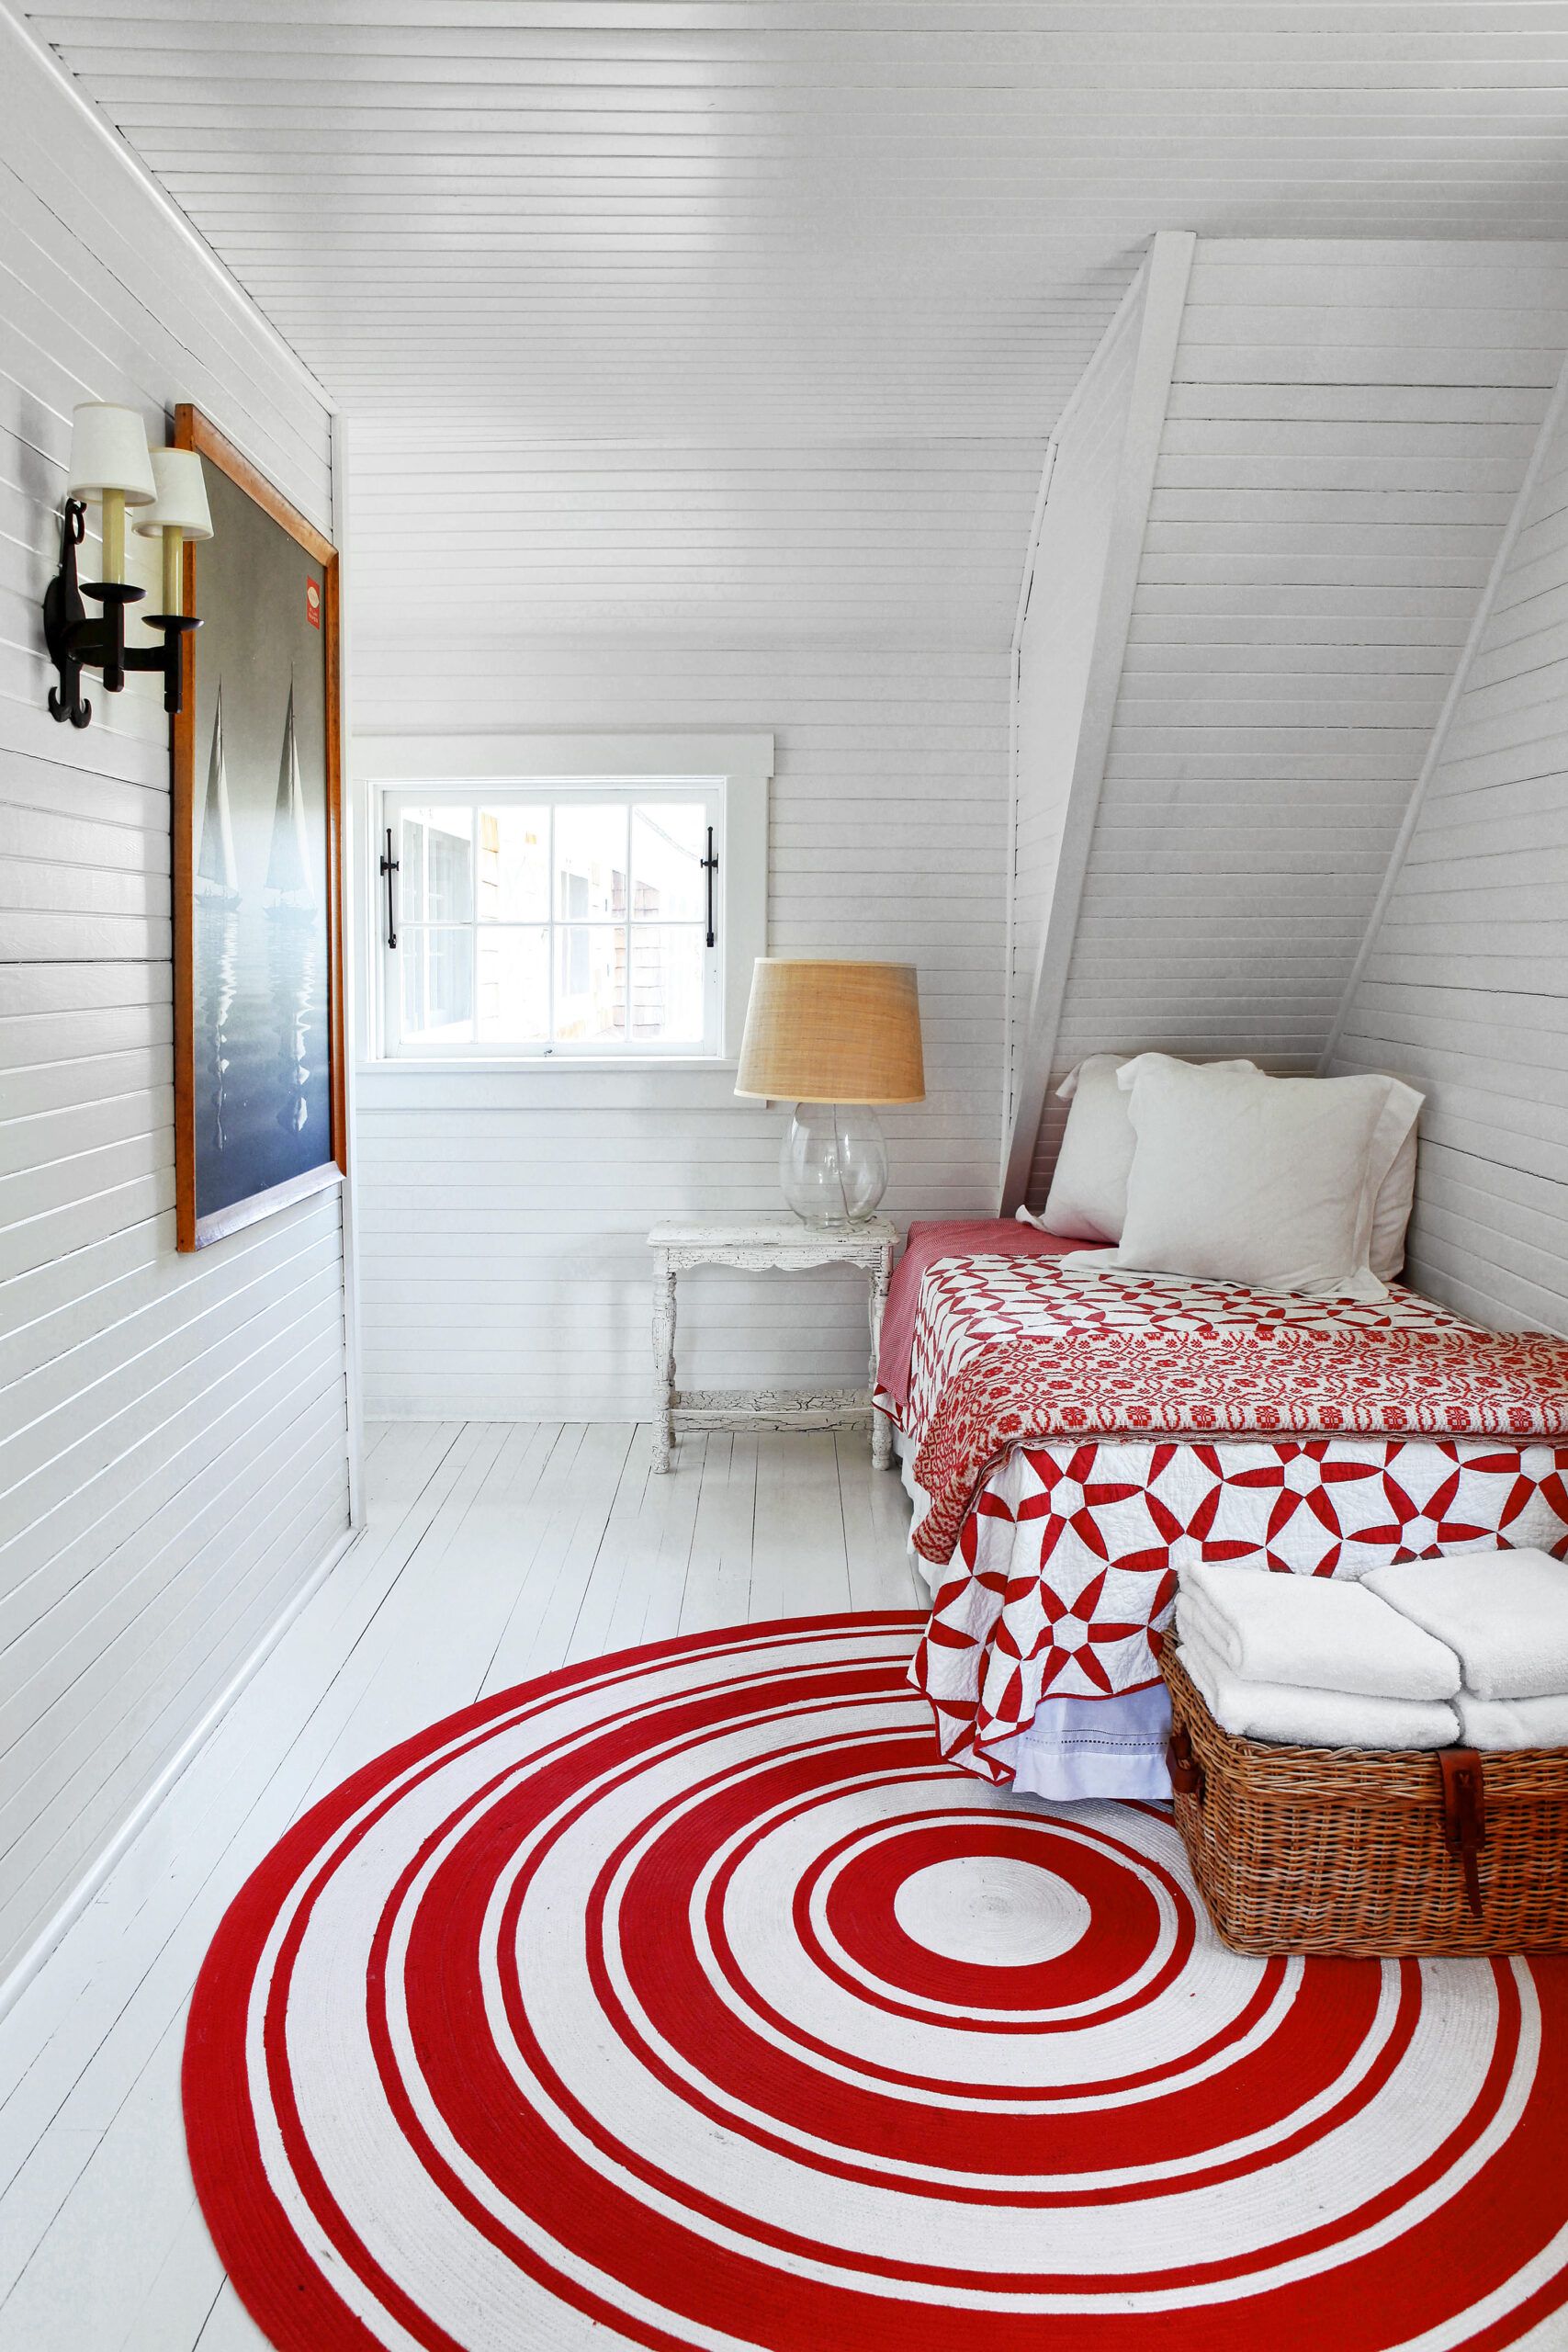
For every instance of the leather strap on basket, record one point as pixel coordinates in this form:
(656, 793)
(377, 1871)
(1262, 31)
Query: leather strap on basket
(1185, 1772)
(1464, 1815)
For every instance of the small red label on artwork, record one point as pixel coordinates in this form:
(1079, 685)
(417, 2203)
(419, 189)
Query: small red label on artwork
(313, 604)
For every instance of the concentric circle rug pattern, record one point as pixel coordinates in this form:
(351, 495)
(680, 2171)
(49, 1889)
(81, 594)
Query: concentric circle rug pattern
(688, 1998)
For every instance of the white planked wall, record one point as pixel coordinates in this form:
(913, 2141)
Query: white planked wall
(173, 1460)
(1464, 985)
(1055, 641)
(502, 1218)
(1348, 428)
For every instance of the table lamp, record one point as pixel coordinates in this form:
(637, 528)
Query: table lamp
(833, 1038)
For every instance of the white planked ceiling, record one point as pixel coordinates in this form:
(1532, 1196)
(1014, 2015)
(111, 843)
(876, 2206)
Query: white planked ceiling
(889, 232)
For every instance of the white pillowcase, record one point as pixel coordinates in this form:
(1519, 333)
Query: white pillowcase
(1088, 1187)
(1270, 1181)
(1391, 1214)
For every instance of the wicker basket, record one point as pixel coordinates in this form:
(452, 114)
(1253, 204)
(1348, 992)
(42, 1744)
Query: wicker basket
(1369, 1851)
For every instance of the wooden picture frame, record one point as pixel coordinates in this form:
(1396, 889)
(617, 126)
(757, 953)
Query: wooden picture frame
(271, 1121)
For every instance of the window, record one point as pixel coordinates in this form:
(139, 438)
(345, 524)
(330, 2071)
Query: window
(574, 922)
(587, 918)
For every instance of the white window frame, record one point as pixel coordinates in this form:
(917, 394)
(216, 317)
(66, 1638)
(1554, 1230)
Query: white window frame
(732, 773)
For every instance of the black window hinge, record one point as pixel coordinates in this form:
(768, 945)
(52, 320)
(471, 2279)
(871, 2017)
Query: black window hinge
(388, 867)
(710, 867)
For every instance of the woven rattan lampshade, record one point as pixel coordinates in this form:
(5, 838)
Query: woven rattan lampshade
(830, 1031)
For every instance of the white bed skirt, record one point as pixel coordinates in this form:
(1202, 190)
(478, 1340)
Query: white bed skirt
(1093, 1747)
(1074, 1748)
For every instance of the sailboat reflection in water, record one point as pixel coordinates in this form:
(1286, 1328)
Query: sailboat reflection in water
(217, 901)
(262, 1106)
(291, 936)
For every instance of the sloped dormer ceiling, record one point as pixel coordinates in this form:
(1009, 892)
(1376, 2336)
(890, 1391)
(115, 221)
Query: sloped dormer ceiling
(878, 239)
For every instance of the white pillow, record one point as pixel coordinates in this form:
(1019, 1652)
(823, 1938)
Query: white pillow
(1270, 1181)
(1088, 1186)
(1391, 1214)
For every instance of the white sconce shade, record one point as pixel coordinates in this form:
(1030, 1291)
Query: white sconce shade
(180, 512)
(110, 463)
(181, 503)
(108, 452)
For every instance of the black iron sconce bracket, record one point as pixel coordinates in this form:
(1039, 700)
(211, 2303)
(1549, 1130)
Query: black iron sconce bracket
(76, 643)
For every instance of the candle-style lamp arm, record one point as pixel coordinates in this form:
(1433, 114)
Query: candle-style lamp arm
(77, 640)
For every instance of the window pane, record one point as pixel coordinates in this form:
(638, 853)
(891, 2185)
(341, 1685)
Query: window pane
(513, 864)
(590, 984)
(435, 871)
(591, 862)
(514, 985)
(667, 984)
(438, 988)
(668, 841)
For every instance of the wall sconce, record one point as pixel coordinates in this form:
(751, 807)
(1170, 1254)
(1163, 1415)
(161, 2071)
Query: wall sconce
(111, 461)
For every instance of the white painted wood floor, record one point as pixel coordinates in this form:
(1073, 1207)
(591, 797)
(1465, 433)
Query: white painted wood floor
(495, 1551)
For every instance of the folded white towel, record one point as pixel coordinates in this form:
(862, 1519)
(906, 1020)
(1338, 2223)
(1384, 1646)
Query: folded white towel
(1506, 1614)
(1284, 1711)
(1512, 1723)
(1321, 1631)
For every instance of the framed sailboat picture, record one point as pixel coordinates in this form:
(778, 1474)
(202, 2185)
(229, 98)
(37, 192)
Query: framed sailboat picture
(259, 1110)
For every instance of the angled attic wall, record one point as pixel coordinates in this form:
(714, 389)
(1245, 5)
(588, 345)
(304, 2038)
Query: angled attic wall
(1463, 984)
(1348, 427)
(1055, 642)
(1086, 575)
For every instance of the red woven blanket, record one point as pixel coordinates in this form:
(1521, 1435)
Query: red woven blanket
(1266, 1378)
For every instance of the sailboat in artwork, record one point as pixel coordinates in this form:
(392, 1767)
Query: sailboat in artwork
(217, 872)
(288, 866)
(291, 937)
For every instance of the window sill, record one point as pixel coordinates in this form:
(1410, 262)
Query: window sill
(619, 1066)
(555, 1085)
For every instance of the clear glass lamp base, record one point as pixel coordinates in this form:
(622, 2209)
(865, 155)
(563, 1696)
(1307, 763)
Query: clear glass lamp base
(833, 1164)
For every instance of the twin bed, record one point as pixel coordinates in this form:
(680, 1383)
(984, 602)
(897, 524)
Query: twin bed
(1072, 1438)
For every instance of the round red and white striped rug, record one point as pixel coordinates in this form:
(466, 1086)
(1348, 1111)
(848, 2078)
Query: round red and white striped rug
(688, 1999)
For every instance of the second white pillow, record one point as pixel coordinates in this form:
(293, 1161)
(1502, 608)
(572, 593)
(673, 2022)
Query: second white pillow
(1270, 1181)
(1089, 1185)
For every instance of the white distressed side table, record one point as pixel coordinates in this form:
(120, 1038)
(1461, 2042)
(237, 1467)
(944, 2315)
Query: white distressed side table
(752, 1244)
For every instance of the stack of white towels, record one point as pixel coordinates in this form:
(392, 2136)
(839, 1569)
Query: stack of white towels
(1471, 1649)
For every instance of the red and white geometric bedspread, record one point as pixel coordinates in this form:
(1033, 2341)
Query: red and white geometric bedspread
(1064, 1425)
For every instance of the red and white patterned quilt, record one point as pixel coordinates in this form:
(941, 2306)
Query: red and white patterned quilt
(1082, 1437)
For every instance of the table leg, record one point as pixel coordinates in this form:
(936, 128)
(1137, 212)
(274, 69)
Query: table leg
(665, 1366)
(881, 1427)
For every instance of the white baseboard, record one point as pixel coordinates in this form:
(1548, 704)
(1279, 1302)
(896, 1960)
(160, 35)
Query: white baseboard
(87, 1885)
